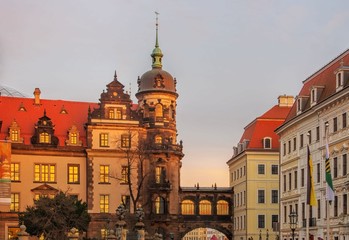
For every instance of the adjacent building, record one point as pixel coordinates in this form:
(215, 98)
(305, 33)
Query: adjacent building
(319, 114)
(254, 175)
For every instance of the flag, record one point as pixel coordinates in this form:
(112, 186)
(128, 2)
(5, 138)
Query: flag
(329, 184)
(311, 200)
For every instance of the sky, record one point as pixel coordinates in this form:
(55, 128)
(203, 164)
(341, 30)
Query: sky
(232, 59)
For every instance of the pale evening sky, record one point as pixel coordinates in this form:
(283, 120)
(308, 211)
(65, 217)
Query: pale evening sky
(232, 59)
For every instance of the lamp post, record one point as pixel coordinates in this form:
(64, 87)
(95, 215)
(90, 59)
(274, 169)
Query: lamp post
(293, 222)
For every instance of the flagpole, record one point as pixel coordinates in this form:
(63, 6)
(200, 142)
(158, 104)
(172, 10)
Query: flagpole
(329, 184)
(328, 219)
(306, 222)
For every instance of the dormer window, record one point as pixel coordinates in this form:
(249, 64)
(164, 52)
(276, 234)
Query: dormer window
(301, 101)
(73, 137)
(267, 143)
(63, 110)
(44, 133)
(111, 114)
(315, 94)
(14, 133)
(339, 81)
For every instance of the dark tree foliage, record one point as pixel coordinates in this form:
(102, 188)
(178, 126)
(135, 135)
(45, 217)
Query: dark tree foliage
(54, 217)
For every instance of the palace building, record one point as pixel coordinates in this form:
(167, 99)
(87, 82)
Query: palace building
(107, 153)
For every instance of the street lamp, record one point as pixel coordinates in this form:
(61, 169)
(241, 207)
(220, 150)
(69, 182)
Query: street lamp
(293, 222)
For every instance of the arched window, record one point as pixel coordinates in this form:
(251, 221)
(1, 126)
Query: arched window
(222, 207)
(158, 110)
(187, 207)
(159, 205)
(158, 139)
(205, 207)
(44, 138)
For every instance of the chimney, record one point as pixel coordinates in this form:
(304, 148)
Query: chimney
(37, 93)
(285, 101)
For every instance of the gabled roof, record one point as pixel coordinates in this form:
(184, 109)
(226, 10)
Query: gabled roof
(264, 126)
(325, 77)
(27, 114)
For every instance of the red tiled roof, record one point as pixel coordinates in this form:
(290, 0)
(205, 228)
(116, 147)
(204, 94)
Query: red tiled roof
(77, 113)
(264, 126)
(325, 77)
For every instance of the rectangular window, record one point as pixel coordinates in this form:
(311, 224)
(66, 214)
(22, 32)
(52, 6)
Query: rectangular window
(274, 196)
(317, 133)
(344, 120)
(284, 149)
(335, 167)
(274, 221)
(104, 140)
(335, 126)
(318, 173)
(345, 204)
(295, 179)
(124, 174)
(285, 214)
(344, 163)
(73, 173)
(15, 172)
(261, 168)
(335, 206)
(289, 146)
(303, 210)
(126, 140)
(289, 181)
(309, 136)
(302, 177)
(104, 203)
(261, 221)
(294, 144)
(111, 113)
(301, 141)
(318, 209)
(14, 207)
(14, 135)
(274, 169)
(261, 198)
(44, 172)
(104, 173)
(285, 182)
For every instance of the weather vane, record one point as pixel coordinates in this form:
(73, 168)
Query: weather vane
(157, 17)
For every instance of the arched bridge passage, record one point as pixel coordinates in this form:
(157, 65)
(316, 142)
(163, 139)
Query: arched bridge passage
(206, 208)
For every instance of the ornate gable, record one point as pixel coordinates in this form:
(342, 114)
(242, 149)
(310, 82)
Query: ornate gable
(44, 133)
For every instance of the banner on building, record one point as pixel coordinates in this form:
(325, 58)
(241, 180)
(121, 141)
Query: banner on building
(5, 173)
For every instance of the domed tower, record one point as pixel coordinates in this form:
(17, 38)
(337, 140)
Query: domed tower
(157, 97)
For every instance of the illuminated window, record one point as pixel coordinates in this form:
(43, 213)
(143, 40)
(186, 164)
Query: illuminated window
(73, 173)
(160, 175)
(124, 174)
(15, 172)
(118, 114)
(222, 207)
(104, 203)
(126, 140)
(14, 135)
(187, 207)
(159, 205)
(44, 137)
(158, 139)
(104, 173)
(103, 140)
(14, 207)
(111, 114)
(73, 137)
(104, 233)
(205, 207)
(158, 110)
(44, 173)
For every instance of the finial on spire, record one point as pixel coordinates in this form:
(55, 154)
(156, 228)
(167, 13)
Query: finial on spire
(115, 76)
(157, 29)
(157, 54)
